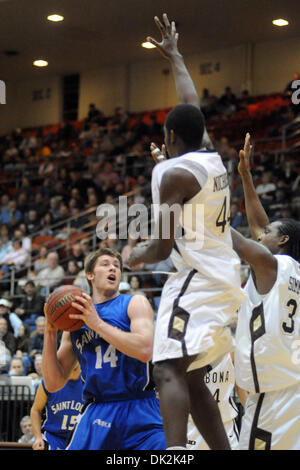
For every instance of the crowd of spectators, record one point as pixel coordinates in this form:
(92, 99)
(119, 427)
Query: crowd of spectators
(56, 175)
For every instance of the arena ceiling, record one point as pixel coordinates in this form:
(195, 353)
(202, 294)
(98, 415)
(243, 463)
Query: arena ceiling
(97, 32)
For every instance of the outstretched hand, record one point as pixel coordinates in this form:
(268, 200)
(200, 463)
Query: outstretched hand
(157, 154)
(244, 165)
(168, 44)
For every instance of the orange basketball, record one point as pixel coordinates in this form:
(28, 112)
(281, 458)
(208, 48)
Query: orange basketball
(59, 306)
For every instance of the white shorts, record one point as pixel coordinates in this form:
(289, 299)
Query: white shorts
(196, 441)
(192, 320)
(272, 421)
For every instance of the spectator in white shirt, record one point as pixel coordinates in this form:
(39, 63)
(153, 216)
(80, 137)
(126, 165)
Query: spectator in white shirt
(52, 275)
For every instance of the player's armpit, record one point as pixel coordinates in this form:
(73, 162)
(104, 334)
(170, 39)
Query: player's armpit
(261, 260)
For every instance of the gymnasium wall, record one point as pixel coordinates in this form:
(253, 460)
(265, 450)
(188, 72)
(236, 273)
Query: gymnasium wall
(262, 68)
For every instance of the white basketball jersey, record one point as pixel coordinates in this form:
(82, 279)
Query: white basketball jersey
(221, 381)
(268, 333)
(206, 244)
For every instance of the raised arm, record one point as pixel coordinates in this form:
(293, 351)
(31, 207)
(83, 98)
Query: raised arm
(261, 260)
(56, 365)
(185, 88)
(256, 215)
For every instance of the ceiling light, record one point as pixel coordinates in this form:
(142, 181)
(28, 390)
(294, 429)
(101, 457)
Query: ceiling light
(40, 63)
(280, 22)
(55, 18)
(148, 45)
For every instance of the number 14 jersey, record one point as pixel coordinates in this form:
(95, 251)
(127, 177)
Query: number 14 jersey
(267, 355)
(109, 375)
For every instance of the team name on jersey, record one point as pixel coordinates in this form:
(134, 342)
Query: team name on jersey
(217, 377)
(221, 182)
(294, 285)
(67, 405)
(86, 337)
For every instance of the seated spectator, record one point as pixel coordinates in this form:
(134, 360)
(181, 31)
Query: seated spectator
(6, 337)
(5, 356)
(5, 246)
(71, 272)
(31, 305)
(37, 374)
(51, 276)
(94, 114)
(16, 257)
(237, 218)
(40, 205)
(16, 367)
(135, 286)
(33, 222)
(266, 188)
(46, 224)
(13, 321)
(77, 255)
(11, 216)
(23, 341)
(54, 208)
(21, 234)
(41, 262)
(37, 337)
(26, 427)
(228, 102)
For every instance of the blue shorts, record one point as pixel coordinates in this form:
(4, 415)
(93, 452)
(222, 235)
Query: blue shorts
(122, 425)
(55, 442)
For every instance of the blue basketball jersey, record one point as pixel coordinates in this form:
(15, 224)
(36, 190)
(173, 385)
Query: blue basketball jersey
(62, 408)
(110, 375)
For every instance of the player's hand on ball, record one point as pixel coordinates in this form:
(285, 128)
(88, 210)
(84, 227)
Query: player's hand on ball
(88, 315)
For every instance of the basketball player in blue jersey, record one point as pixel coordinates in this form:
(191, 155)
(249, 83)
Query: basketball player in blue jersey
(62, 408)
(114, 349)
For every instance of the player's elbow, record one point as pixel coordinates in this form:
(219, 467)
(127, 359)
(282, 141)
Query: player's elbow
(145, 354)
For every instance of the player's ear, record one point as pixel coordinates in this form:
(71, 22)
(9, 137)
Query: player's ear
(90, 276)
(172, 137)
(283, 240)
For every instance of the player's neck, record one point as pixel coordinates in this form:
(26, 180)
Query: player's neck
(103, 296)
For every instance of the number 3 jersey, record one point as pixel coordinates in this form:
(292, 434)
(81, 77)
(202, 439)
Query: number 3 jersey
(110, 375)
(206, 243)
(267, 356)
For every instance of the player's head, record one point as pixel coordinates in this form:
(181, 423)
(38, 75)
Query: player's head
(103, 270)
(283, 236)
(183, 129)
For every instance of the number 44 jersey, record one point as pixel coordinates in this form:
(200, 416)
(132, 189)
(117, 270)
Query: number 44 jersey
(110, 375)
(203, 240)
(267, 355)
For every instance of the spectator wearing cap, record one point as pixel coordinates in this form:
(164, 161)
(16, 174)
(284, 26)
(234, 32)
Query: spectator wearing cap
(13, 321)
(31, 305)
(124, 288)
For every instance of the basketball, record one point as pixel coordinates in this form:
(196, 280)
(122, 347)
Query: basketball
(58, 307)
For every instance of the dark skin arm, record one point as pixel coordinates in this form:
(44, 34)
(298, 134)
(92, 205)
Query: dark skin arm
(261, 260)
(256, 215)
(159, 248)
(185, 88)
